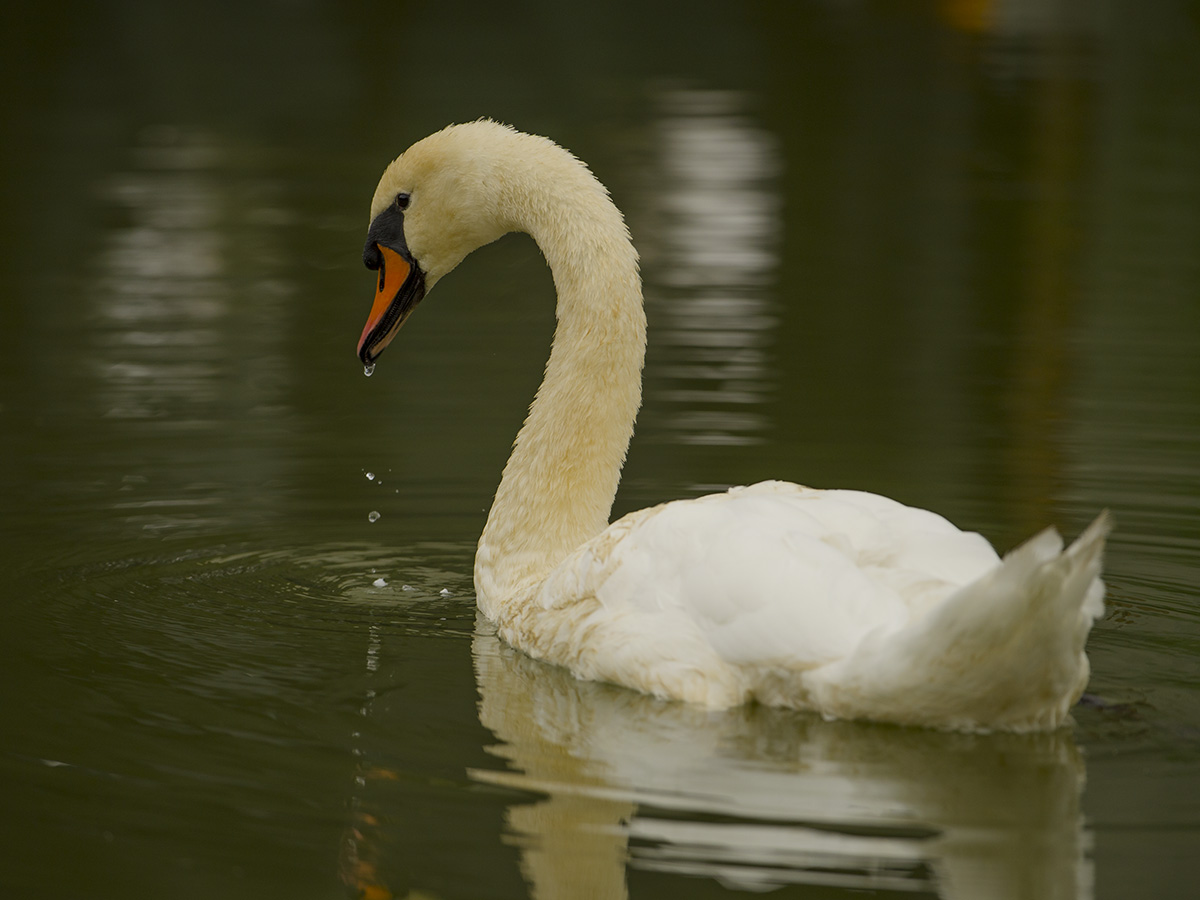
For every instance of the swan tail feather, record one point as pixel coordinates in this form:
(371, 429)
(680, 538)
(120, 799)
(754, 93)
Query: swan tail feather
(1005, 652)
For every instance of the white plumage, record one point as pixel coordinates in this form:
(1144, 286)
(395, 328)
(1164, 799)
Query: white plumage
(843, 602)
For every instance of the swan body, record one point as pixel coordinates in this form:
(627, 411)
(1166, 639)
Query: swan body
(842, 602)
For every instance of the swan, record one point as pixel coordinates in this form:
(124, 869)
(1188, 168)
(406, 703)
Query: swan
(841, 602)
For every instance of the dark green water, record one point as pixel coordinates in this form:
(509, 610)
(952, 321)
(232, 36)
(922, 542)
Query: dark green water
(949, 252)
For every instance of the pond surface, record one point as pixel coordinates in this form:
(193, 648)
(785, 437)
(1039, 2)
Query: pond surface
(947, 252)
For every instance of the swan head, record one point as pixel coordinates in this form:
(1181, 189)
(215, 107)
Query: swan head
(435, 203)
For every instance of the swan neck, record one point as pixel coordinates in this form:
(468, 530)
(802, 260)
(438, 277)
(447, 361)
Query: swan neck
(558, 486)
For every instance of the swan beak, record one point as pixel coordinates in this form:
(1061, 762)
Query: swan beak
(401, 287)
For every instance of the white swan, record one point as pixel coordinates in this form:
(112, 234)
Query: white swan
(842, 602)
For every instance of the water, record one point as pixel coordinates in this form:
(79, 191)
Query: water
(923, 252)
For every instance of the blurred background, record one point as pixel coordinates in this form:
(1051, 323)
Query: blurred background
(945, 250)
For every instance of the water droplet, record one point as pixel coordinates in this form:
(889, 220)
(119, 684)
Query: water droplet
(379, 582)
(370, 476)
(369, 370)
(373, 516)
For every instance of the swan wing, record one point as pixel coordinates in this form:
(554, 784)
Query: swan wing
(1005, 651)
(772, 575)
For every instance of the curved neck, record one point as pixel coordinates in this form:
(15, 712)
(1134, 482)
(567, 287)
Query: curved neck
(560, 480)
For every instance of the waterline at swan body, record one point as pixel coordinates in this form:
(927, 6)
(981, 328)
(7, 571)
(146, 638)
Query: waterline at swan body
(842, 602)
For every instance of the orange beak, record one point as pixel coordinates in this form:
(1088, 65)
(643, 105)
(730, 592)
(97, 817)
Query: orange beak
(393, 303)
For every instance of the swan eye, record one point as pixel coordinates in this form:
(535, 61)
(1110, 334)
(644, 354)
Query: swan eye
(402, 201)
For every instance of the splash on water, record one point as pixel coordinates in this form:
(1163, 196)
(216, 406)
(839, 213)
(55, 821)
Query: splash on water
(379, 582)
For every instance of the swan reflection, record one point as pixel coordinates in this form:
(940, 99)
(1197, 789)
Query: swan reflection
(759, 798)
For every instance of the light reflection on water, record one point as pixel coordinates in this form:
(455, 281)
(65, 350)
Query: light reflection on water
(185, 334)
(162, 290)
(711, 263)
